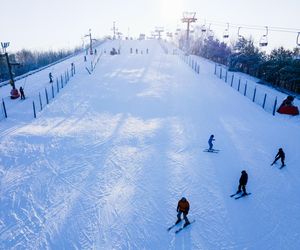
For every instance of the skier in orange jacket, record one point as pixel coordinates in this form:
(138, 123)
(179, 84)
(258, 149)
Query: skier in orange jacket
(183, 207)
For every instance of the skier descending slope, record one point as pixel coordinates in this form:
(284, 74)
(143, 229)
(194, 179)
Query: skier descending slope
(279, 155)
(242, 185)
(243, 182)
(183, 207)
(210, 140)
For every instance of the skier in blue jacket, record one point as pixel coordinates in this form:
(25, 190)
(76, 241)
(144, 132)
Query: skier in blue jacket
(211, 139)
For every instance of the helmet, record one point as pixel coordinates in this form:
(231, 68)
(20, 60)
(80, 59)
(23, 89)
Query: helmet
(183, 199)
(243, 172)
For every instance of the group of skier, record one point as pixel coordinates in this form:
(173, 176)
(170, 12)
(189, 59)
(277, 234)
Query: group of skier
(183, 205)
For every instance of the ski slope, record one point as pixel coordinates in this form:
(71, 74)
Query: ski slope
(104, 165)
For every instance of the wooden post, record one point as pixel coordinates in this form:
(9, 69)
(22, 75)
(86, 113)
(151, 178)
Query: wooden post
(215, 68)
(254, 94)
(232, 77)
(41, 104)
(57, 87)
(221, 72)
(245, 91)
(46, 94)
(274, 107)
(52, 88)
(264, 103)
(4, 108)
(226, 75)
(239, 85)
(61, 80)
(34, 112)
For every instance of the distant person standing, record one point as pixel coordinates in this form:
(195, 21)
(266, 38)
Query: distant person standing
(72, 69)
(280, 155)
(210, 140)
(50, 78)
(22, 93)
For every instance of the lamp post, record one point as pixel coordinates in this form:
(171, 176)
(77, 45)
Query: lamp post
(14, 93)
(91, 41)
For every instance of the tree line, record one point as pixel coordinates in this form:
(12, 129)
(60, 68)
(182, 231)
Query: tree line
(31, 60)
(280, 68)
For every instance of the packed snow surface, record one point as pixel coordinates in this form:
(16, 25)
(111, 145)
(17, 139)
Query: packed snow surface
(105, 163)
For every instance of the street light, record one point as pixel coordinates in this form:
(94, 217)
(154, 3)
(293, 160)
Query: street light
(14, 93)
(91, 41)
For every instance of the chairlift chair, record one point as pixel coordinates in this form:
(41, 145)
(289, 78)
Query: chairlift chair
(210, 32)
(226, 32)
(263, 42)
(239, 35)
(203, 27)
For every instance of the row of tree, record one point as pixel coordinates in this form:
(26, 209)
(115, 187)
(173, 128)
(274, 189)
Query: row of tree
(280, 68)
(31, 60)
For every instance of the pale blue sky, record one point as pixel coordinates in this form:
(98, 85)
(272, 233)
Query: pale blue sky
(44, 24)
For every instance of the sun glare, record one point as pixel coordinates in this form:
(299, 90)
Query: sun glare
(171, 11)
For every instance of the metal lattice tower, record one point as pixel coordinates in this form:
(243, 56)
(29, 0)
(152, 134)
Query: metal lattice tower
(188, 17)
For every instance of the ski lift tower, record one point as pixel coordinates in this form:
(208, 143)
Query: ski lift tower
(115, 30)
(159, 30)
(188, 17)
(91, 41)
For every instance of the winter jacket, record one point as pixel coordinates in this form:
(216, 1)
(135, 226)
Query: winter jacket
(211, 139)
(281, 154)
(183, 206)
(244, 179)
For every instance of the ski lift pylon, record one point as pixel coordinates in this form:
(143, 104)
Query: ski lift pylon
(263, 42)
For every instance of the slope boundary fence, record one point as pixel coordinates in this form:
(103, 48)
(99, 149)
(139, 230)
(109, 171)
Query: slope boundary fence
(44, 97)
(248, 88)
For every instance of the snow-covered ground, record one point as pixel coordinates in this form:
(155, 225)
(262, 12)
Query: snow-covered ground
(105, 163)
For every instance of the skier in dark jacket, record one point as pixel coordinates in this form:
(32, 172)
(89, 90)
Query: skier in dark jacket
(279, 155)
(183, 207)
(50, 78)
(22, 93)
(210, 140)
(243, 182)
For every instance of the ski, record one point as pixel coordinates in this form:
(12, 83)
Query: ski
(169, 228)
(211, 151)
(282, 166)
(177, 231)
(235, 194)
(243, 195)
